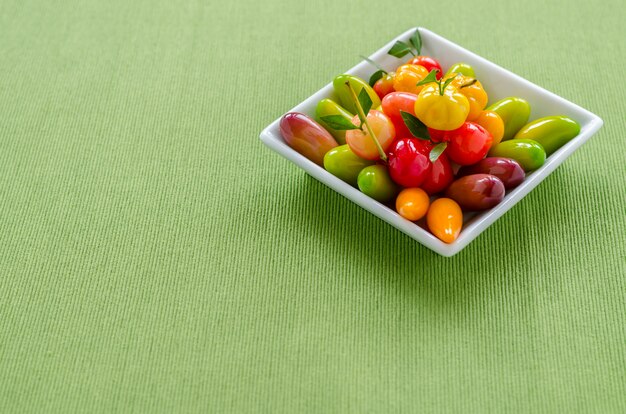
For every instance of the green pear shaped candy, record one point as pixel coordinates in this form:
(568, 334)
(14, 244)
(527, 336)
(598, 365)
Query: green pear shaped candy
(462, 68)
(552, 132)
(345, 164)
(376, 183)
(345, 97)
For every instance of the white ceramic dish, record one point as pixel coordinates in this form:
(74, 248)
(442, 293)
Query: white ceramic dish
(499, 83)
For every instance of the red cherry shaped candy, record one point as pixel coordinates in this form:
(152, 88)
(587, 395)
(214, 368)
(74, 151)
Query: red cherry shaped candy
(468, 144)
(428, 62)
(408, 166)
(440, 175)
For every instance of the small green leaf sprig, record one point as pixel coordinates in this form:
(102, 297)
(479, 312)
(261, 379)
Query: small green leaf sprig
(432, 78)
(401, 49)
(436, 151)
(376, 75)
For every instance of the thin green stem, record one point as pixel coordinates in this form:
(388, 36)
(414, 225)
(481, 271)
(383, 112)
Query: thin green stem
(363, 118)
(371, 62)
(444, 84)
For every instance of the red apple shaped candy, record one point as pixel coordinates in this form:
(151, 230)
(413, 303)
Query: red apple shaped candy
(306, 136)
(437, 135)
(395, 102)
(408, 166)
(384, 85)
(441, 174)
(429, 63)
(360, 141)
(468, 144)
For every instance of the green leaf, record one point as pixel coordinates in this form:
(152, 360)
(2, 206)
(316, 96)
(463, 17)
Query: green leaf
(415, 126)
(338, 122)
(416, 41)
(399, 49)
(365, 101)
(377, 75)
(371, 62)
(437, 150)
(446, 83)
(431, 77)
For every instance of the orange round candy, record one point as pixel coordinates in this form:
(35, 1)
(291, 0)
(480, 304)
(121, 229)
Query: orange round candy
(474, 92)
(492, 122)
(445, 219)
(407, 77)
(412, 203)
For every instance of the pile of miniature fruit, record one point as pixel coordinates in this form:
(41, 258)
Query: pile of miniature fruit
(424, 141)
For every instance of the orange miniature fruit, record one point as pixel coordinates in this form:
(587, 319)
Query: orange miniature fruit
(445, 219)
(492, 122)
(412, 203)
(407, 77)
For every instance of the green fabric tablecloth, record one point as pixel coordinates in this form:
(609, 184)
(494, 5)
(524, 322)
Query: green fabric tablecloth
(156, 257)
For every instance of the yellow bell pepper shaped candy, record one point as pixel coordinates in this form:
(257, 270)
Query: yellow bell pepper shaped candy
(440, 105)
(473, 91)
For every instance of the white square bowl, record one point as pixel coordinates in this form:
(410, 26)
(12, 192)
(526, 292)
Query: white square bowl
(499, 83)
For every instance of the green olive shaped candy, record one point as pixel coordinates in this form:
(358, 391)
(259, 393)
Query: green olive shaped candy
(463, 69)
(375, 182)
(552, 132)
(343, 92)
(327, 107)
(514, 112)
(528, 153)
(345, 164)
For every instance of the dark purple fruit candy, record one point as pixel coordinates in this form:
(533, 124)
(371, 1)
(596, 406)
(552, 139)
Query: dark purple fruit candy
(476, 192)
(507, 170)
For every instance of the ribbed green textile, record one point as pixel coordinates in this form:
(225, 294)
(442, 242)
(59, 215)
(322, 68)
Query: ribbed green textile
(156, 257)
